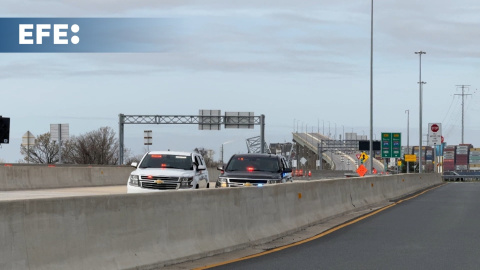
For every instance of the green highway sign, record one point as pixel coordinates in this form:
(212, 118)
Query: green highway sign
(396, 145)
(391, 145)
(386, 145)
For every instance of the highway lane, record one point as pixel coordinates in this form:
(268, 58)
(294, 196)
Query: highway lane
(436, 230)
(61, 192)
(73, 192)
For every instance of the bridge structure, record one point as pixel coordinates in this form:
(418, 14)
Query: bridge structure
(336, 154)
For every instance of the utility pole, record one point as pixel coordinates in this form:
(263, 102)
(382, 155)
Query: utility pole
(420, 83)
(463, 86)
(371, 90)
(408, 137)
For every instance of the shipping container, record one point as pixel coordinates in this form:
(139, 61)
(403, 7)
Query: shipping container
(466, 144)
(474, 167)
(448, 165)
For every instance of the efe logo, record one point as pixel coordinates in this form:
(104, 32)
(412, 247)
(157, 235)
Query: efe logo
(60, 33)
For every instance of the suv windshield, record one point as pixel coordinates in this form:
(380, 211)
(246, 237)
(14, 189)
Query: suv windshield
(167, 161)
(243, 163)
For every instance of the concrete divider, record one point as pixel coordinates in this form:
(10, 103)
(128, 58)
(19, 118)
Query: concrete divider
(28, 177)
(147, 231)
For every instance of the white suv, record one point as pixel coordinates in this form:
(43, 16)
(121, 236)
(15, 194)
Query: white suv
(168, 170)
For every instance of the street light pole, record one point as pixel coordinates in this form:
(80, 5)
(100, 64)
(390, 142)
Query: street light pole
(335, 131)
(420, 83)
(329, 130)
(222, 154)
(371, 89)
(408, 137)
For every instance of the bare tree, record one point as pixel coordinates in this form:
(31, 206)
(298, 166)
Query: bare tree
(44, 151)
(130, 159)
(95, 147)
(207, 155)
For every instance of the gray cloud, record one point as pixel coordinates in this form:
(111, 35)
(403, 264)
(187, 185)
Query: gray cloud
(251, 36)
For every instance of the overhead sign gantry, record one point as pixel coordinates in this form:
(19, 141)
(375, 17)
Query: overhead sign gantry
(206, 120)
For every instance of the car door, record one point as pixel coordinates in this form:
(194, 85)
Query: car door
(201, 174)
(205, 172)
(286, 176)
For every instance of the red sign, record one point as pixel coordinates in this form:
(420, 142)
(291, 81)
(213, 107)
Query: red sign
(358, 156)
(435, 128)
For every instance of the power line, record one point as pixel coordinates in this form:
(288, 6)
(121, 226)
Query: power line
(448, 111)
(463, 86)
(451, 119)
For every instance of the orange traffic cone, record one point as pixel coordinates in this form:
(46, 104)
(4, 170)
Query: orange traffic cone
(309, 173)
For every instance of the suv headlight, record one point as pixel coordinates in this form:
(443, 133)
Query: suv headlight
(133, 180)
(186, 179)
(221, 182)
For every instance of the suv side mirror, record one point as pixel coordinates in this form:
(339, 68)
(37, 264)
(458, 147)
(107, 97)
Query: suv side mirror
(134, 164)
(201, 167)
(220, 168)
(287, 170)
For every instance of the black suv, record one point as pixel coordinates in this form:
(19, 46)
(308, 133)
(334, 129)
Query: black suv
(244, 170)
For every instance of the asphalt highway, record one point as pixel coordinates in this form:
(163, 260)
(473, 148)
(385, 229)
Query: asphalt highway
(439, 229)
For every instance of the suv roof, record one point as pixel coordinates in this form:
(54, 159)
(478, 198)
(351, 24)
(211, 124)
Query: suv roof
(172, 153)
(258, 155)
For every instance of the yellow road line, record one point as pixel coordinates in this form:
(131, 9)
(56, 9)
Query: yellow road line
(318, 235)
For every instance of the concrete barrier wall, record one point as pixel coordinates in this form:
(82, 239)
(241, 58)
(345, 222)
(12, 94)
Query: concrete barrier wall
(24, 177)
(28, 177)
(145, 231)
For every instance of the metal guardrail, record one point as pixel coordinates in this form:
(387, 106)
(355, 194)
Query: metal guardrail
(462, 176)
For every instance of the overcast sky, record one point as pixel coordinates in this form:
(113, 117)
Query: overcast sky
(300, 63)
